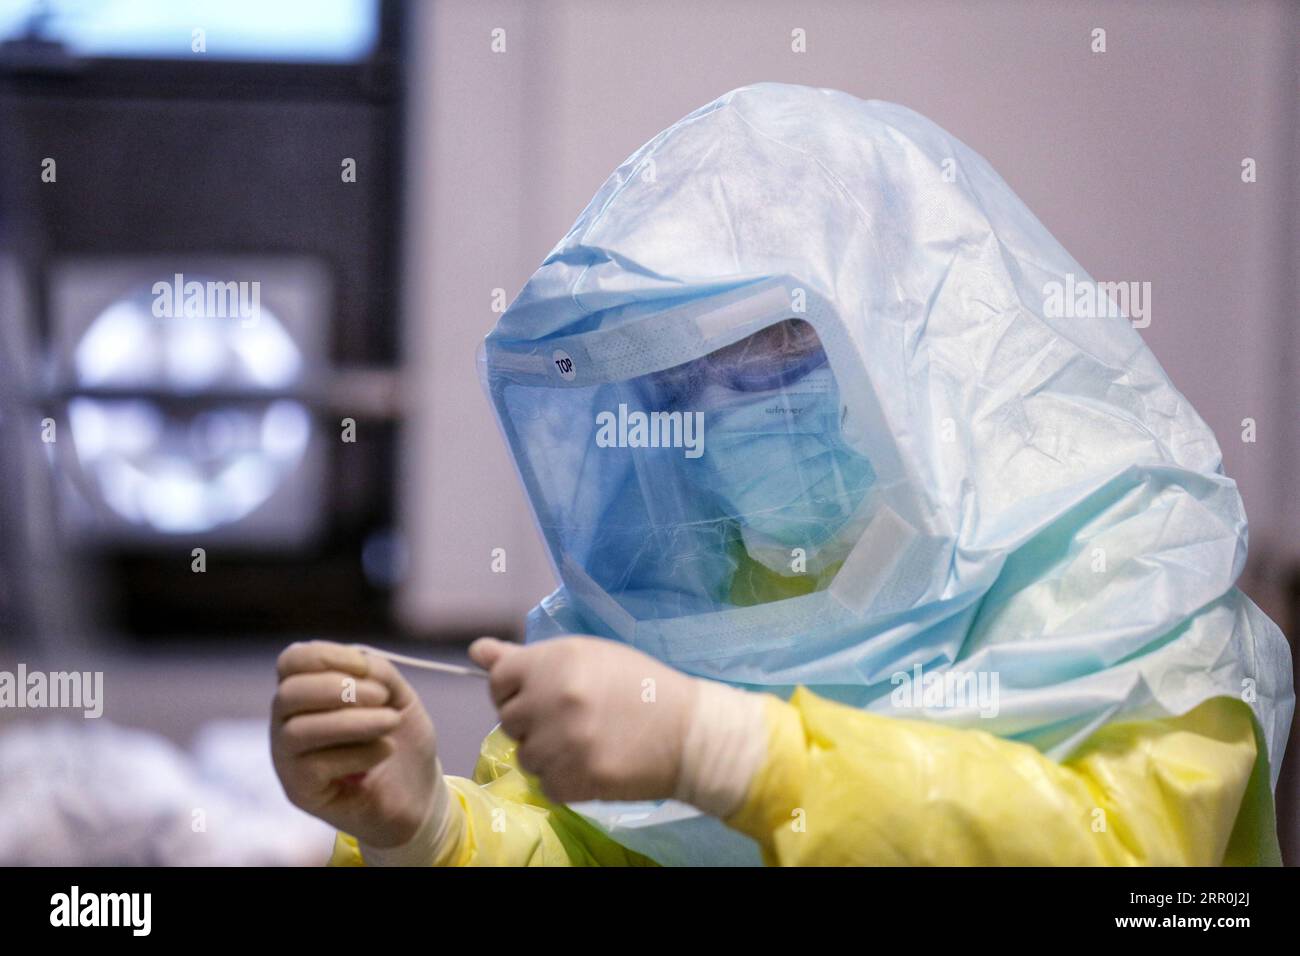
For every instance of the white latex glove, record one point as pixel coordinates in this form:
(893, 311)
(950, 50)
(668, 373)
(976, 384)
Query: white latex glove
(594, 719)
(353, 745)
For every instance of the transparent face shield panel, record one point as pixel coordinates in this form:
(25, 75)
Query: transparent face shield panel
(718, 483)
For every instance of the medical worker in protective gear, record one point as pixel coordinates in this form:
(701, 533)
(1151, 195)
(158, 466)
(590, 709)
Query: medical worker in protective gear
(869, 553)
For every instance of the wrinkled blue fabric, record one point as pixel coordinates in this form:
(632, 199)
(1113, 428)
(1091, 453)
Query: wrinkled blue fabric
(1045, 504)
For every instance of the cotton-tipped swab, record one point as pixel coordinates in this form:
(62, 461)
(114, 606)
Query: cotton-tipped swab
(457, 669)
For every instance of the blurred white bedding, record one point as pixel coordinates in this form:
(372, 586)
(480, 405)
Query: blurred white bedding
(89, 793)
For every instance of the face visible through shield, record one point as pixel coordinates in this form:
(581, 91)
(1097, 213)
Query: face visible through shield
(720, 482)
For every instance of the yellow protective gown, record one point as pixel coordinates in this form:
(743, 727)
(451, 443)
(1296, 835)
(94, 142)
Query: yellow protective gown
(842, 786)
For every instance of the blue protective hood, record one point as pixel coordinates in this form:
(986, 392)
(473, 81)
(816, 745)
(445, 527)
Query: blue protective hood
(1058, 514)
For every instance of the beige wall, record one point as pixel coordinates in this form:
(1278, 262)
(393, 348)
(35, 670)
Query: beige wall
(1130, 157)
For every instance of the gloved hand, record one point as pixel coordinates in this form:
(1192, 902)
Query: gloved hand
(594, 719)
(353, 745)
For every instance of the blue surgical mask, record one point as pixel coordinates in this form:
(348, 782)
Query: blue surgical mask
(778, 465)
